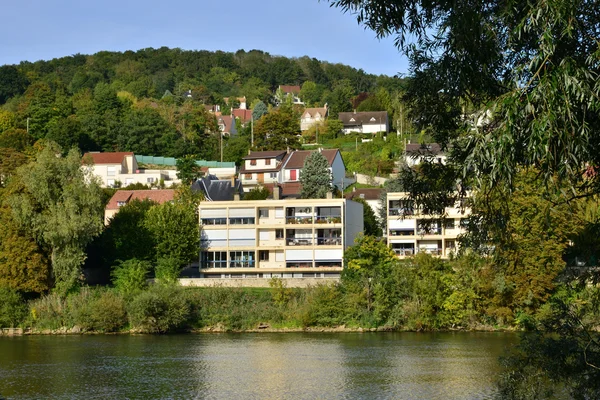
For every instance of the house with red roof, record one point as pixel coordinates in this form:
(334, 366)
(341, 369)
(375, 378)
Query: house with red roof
(226, 125)
(285, 91)
(116, 169)
(123, 197)
(292, 168)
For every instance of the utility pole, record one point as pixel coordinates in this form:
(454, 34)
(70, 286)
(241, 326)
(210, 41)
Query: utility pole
(221, 133)
(251, 130)
(27, 124)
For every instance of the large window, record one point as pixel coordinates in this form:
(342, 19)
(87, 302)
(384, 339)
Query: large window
(241, 221)
(214, 259)
(263, 255)
(214, 221)
(241, 259)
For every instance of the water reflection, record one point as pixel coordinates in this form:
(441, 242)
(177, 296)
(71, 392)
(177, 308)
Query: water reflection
(231, 366)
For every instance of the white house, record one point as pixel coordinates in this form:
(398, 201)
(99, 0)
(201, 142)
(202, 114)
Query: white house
(414, 153)
(262, 167)
(365, 122)
(312, 116)
(292, 167)
(285, 91)
(121, 168)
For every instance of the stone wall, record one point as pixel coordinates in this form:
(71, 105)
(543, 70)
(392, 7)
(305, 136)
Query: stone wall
(254, 282)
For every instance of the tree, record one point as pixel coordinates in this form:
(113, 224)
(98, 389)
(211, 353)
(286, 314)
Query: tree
(187, 170)
(60, 203)
(371, 226)
(315, 177)
(12, 82)
(277, 130)
(258, 193)
(259, 110)
(176, 231)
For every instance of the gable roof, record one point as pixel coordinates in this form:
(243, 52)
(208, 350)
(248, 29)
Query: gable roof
(158, 196)
(217, 190)
(297, 158)
(290, 89)
(429, 149)
(367, 194)
(226, 121)
(312, 112)
(108, 158)
(361, 118)
(290, 189)
(264, 154)
(244, 115)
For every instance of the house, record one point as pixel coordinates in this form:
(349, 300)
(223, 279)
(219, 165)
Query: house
(372, 196)
(290, 172)
(123, 197)
(312, 116)
(241, 101)
(365, 122)
(411, 230)
(277, 238)
(288, 91)
(243, 115)
(121, 169)
(261, 167)
(414, 153)
(227, 125)
(218, 190)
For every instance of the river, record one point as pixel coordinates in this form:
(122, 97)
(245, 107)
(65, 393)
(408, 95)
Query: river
(253, 366)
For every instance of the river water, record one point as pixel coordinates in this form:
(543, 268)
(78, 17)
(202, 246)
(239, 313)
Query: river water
(253, 366)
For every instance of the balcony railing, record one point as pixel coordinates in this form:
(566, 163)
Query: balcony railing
(298, 242)
(327, 220)
(401, 211)
(404, 252)
(430, 231)
(241, 264)
(299, 220)
(329, 241)
(434, 252)
(402, 232)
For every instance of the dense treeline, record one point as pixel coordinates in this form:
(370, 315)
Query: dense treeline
(152, 101)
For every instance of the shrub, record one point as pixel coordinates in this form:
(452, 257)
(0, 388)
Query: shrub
(160, 309)
(168, 270)
(13, 309)
(130, 276)
(49, 312)
(108, 312)
(324, 306)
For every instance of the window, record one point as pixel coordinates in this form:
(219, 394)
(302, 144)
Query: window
(241, 259)
(273, 175)
(263, 213)
(150, 180)
(214, 221)
(449, 223)
(248, 176)
(121, 203)
(263, 255)
(110, 171)
(268, 161)
(278, 233)
(241, 221)
(252, 162)
(214, 259)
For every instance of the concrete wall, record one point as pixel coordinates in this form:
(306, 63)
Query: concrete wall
(254, 282)
(370, 180)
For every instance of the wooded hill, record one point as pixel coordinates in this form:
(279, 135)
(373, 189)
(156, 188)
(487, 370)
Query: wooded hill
(135, 101)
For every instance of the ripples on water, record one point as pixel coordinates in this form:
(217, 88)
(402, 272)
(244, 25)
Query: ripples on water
(253, 366)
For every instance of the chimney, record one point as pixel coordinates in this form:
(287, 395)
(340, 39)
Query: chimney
(354, 188)
(249, 151)
(236, 196)
(355, 111)
(233, 181)
(329, 195)
(276, 192)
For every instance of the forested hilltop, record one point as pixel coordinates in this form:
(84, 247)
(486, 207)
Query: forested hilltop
(152, 101)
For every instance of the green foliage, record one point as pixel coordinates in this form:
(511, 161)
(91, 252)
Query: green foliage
(259, 110)
(257, 193)
(130, 277)
(277, 130)
(167, 270)
(160, 309)
(280, 292)
(13, 308)
(187, 170)
(371, 225)
(315, 177)
(61, 206)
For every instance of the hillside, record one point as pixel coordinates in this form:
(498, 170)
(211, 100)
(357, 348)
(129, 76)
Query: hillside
(137, 101)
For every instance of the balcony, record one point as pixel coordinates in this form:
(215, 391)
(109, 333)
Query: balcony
(433, 252)
(299, 220)
(404, 252)
(401, 212)
(299, 242)
(329, 241)
(327, 220)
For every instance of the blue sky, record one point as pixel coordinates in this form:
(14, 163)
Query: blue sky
(44, 29)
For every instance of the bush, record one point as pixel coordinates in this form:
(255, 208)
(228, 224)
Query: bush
(108, 312)
(324, 306)
(13, 309)
(160, 309)
(168, 270)
(131, 276)
(49, 312)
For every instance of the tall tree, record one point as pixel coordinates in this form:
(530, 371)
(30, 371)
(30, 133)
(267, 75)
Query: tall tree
(277, 130)
(315, 177)
(60, 203)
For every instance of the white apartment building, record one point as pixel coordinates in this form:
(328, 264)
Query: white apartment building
(121, 169)
(411, 231)
(277, 238)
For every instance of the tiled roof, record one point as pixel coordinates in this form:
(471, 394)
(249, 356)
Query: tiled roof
(312, 112)
(217, 190)
(158, 196)
(290, 89)
(287, 189)
(244, 115)
(226, 121)
(264, 154)
(107, 158)
(364, 117)
(298, 157)
(424, 149)
(368, 194)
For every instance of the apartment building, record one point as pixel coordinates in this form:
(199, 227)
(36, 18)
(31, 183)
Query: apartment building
(411, 230)
(298, 238)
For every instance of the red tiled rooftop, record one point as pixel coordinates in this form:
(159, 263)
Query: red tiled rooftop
(368, 194)
(107, 158)
(298, 157)
(158, 196)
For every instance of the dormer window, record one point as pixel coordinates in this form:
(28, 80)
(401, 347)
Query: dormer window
(252, 162)
(352, 120)
(268, 161)
(372, 119)
(121, 203)
(362, 195)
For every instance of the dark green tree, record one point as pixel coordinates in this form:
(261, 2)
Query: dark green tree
(258, 193)
(371, 225)
(277, 130)
(259, 110)
(187, 170)
(315, 177)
